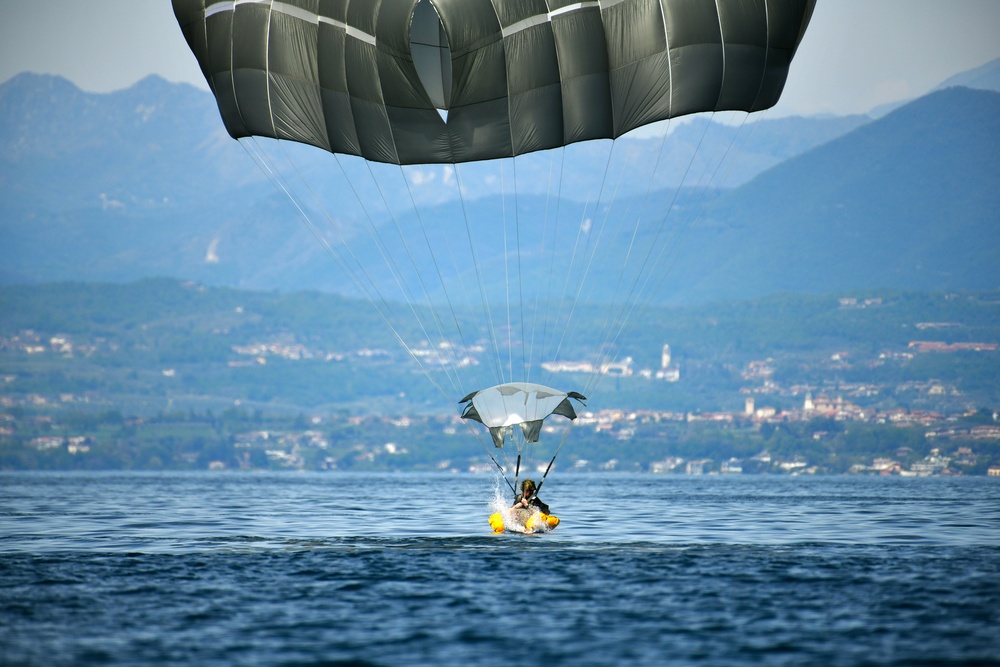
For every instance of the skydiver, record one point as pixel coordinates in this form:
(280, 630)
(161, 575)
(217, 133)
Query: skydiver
(526, 502)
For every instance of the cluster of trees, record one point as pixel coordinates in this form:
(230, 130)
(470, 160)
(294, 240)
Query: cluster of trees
(242, 439)
(115, 389)
(138, 330)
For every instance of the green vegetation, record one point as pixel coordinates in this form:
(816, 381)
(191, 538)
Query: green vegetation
(241, 439)
(163, 374)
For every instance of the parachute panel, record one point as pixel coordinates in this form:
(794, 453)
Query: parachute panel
(374, 135)
(338, 114)
(419, 133)
(582, 55)
(362, 17)
(532, 430)
(250, 86)
(249, 36)
(635, 32)
(534, 91)
(632, 111)
(783, 36)
(295, 96)
(744, 42)
(225, 95)
(219, 63)
(637, 61)
(194, 31)
(338, 117)
(696, 56)
(511, 13)
(479, 131)
(248, 42)
(367, 105)
(293, 47)
(297, 110)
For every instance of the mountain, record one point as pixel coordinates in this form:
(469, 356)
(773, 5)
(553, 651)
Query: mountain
(984, 77)
(910, 199)
(144, 181)
(99, 185)
(67, 147)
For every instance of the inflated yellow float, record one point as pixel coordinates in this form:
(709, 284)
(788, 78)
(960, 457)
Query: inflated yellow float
(536, 522)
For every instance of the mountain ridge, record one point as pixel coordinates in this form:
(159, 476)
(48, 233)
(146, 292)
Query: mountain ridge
(145, 182)
(939, 154)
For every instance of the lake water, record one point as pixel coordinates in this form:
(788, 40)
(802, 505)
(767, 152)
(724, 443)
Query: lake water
(402, 569)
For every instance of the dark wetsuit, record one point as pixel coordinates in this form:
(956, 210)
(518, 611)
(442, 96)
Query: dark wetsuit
(533, 501)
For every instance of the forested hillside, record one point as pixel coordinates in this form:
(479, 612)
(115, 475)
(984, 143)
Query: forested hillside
(145, 182)
(160, 373)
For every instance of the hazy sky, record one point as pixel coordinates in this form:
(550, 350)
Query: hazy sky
(856, 55)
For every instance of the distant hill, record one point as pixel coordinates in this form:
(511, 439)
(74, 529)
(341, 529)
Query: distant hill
(984, 77)
(62, 148)
(104, 186)
(912, 200)
(302, 351)
(145, 182)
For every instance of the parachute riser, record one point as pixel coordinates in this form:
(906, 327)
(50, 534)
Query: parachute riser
(517, 475)
(503, 474)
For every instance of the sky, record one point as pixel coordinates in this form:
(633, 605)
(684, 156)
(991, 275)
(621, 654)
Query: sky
(857, 54)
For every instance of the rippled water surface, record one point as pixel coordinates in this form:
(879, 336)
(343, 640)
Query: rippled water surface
(401, 569)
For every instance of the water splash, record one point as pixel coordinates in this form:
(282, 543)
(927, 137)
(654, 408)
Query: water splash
(500, 503)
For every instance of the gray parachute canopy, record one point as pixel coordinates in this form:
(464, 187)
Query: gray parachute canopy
(367, 77)
(518, 404)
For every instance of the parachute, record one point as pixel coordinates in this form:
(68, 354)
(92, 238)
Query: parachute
(367, 77)
(484, 91)
(520, 404)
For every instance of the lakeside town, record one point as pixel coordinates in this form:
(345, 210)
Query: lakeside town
(910, 398)
(383, 443)
(955, 442)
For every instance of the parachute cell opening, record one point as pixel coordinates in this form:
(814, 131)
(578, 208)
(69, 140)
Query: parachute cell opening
(431, 54)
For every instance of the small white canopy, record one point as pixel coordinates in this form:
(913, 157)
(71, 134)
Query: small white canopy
(521, 404)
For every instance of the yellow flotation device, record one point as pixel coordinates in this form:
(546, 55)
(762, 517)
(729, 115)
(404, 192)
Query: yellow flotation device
(537, 522)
